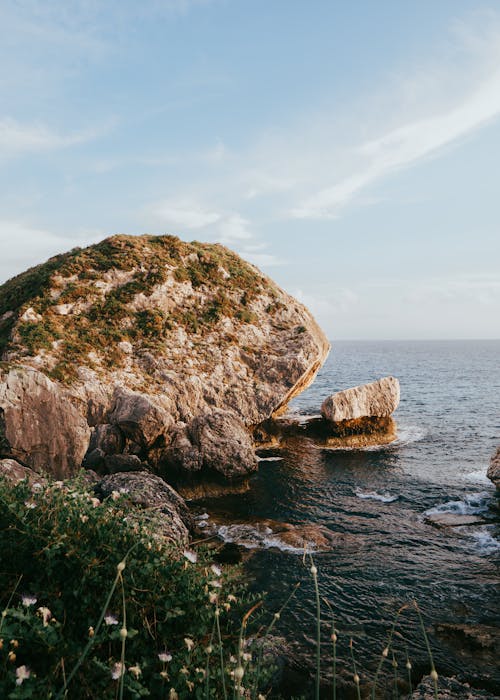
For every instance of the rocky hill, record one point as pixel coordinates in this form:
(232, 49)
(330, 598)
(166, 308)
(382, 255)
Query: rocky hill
(148, 349)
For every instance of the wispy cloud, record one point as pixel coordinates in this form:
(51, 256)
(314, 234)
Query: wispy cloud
(17, 137)
(406, 146)
(448, 110)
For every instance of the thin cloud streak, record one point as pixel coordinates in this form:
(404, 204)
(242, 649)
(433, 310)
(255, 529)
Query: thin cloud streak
(406, 146)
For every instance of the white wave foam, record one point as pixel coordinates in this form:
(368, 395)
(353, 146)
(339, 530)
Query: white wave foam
(486, 543)
(256, 537)
(472, 504)
(479, 477)
(408, 434)
(374, 496)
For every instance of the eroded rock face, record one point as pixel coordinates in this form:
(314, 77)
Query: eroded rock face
(493, 472)
(170, 352)
(39, 425)
(158, 501)
(378, 399)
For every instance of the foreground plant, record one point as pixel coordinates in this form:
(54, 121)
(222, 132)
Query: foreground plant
(104, 608)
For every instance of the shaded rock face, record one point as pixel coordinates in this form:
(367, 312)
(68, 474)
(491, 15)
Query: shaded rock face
(39, 425)
(148, 347)
(377, 399)
(449, 689)
(359, 432)
(158, 501)
(493, 472)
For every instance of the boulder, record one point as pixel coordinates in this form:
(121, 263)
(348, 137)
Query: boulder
(39, 424)
(157, 502)
(107, 438)
(215, 442)
(493, 472)
(123, 463)
(139, 417)
(171, 351)
(378, 399)
(15, 472)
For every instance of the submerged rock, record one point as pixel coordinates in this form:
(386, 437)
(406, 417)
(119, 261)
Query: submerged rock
(168, 351)
(378, 399)
(493, 472)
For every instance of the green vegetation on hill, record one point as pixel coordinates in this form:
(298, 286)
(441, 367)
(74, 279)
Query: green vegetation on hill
(102, 317)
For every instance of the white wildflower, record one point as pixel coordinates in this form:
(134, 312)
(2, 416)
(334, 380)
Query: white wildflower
(117, 671)
(213, 597)
(135, 670)
(173, 695)
(84, 518)
(215, 584)
(189, 643)
(115, 495)
(28, 600)
(165, 657)
(22, 674)
(216, 570)
(30, 504)
(190, 556)
(95, 502)
(231, 599)
(110, 620)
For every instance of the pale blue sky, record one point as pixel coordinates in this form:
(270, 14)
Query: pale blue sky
(350, 148)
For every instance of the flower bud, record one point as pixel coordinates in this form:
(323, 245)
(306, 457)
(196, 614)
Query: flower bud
(123, 633)
(434, 674)
(314, 570)
(120, 567)
(408, 665)
(356, 679)
(239, 673)
(385, 653)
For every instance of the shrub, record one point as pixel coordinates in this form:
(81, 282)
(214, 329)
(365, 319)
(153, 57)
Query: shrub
(69, 604)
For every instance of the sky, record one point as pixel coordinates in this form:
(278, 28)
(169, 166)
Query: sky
(348, 148)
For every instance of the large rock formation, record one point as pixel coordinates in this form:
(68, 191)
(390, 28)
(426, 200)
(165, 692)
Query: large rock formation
(149, 347)
(493, 472)
(378, 399)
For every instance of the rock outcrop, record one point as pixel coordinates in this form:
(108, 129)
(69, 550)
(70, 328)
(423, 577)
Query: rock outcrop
(157, 503)
(39, 425)
(493, 472)
(356, 417)
(375, 400)
(152, 348)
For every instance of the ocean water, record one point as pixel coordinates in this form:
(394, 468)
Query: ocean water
(383, 499)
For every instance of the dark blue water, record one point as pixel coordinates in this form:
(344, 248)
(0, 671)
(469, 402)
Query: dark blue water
(449, 425)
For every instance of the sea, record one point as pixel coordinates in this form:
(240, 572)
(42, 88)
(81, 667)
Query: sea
(384, 498)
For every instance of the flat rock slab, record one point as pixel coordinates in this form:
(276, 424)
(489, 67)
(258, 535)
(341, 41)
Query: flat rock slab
(453, 519)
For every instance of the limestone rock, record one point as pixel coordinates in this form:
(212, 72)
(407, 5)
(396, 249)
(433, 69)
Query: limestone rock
(182, 348)
(158, 502)
(493, 472)
(377, 399)
(15, 472)
(139, 417)
(214, 442)
(39, 425)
